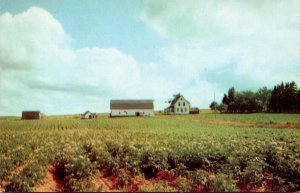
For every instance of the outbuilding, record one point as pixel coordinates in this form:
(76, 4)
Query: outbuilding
(88, 115)
(31, 115)
(119, 108)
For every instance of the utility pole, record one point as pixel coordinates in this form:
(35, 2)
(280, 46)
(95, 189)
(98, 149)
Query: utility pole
(215, 106)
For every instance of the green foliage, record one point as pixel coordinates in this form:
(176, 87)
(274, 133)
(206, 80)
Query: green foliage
(283, 98)
(123, 179)
(183, 184)
(157, 187)
(253, 173)
(18, 184)
(76, 170)
(188, 146)
(213, 105)
(198, 177)
(153, 161)
(221, 183)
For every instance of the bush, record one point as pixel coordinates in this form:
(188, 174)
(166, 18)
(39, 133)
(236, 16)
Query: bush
(183, 185)
(161, 186)
(253, 174)
(198, 177)
(76, 171)
(152, 162)
(221, 183)
(18, 184)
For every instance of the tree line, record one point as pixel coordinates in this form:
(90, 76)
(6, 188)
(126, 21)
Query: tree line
(284, 98)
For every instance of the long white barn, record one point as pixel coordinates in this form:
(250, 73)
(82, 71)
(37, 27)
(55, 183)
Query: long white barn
(119, 108)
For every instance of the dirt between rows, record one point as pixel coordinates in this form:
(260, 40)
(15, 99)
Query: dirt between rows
(50, 183)
(111, 183)
(237, 123)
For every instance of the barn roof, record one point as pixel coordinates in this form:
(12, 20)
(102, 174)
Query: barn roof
(30, 111)
(131, 104)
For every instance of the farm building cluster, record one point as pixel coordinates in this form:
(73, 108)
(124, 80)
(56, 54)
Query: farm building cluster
(124, 108)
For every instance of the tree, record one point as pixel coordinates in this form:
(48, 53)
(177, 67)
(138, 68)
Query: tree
(290, 97)
(231, 94)
(225, 99)
(213, 105)
(284, 98)
(222, 107)
(274, 100)
(264, 96)
(298, 101)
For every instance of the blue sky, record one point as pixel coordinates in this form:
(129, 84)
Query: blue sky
(66, 56)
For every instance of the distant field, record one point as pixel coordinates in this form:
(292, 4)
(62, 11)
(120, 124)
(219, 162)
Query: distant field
(205, 152)
(252, 117)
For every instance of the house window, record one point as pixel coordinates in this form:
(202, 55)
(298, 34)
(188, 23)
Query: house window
(181, 110)
(178, 103)
(177, 109)
(183, 104)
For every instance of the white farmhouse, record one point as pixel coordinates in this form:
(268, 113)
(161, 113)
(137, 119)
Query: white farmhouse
(179, 105)
(120, 108)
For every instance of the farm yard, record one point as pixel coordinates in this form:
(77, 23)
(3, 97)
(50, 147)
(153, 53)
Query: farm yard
(202, 152)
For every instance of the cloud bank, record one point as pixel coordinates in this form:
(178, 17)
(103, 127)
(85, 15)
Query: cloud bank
(40, 71)
(247, 44)
(214, 45)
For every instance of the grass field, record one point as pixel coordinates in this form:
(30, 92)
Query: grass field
(205, 152)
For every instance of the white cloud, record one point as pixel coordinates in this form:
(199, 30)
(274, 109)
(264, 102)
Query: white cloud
(40, 71)
(216, 45)
(254, 42)
(25, 36)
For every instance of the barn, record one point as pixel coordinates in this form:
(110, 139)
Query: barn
(31, 115)
(119, 108)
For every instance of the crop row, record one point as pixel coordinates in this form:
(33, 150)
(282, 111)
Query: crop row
(216, 158)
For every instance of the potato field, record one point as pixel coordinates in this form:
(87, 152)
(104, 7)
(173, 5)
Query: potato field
(204, 152)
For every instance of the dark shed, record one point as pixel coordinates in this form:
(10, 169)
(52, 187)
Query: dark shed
(31, 115)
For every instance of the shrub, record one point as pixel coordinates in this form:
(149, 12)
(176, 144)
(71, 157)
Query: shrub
(183, 185)
(221, 183)
(198, 177)
(161, 186)
(253, 174)
(18, 184)
(152, 162)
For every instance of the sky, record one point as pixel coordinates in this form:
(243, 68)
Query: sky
(66, 56)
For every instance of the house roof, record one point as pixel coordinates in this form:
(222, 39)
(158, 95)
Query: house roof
(131, 104)
(87, 112)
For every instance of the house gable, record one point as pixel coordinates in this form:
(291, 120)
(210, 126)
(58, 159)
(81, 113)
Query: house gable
(179, 105)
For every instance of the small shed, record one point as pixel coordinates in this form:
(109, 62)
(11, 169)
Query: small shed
(194, 110)
(88, 115)
(26, 115)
